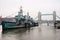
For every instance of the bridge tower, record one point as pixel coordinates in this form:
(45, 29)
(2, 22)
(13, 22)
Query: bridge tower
(39, 17)
(54, 16)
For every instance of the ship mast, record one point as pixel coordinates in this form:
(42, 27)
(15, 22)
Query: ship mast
(20, 13)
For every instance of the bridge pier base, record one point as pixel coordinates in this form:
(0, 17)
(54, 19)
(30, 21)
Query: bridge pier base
(47, 23)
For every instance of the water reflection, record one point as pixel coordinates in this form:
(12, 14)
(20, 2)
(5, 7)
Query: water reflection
(34, 33)
(21, 30)
(15, 34)
(0, 32)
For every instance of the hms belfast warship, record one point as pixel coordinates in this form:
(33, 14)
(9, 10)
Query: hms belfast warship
(19, 21)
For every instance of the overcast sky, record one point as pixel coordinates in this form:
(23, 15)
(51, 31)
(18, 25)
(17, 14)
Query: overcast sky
(8, 7)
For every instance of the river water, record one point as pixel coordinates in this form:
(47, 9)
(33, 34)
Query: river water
(34, 33)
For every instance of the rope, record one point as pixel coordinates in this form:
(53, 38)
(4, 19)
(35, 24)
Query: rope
(10, 15)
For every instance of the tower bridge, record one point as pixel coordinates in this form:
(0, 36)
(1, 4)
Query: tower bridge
(40, 21)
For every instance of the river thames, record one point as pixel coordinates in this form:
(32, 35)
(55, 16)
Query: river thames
(34, 33)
